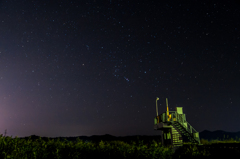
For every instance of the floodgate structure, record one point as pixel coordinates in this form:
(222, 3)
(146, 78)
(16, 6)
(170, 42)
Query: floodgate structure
(175, 129)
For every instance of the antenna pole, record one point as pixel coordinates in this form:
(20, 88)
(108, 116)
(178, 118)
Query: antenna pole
(167, 106)
(157, 106)
(167, 109)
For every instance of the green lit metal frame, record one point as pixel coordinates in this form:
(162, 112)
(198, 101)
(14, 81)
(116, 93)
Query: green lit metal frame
(175, 117)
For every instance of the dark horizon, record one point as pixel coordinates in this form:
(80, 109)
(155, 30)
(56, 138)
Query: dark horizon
(204, 131)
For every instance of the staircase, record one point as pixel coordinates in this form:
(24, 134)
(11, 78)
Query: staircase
(186, 132)
(176, 137)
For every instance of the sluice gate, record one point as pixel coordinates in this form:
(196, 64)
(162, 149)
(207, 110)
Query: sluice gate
(175, 129)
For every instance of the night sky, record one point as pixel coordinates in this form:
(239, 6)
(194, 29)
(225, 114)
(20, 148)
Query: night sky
(89, 67)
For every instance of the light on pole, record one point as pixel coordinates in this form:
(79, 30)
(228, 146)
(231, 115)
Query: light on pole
(157, 106)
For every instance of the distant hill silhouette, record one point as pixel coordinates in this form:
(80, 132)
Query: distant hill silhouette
(219, 135)
(98, 138)
(207, 135)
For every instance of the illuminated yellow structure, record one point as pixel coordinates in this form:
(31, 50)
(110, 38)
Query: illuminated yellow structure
(175, 129)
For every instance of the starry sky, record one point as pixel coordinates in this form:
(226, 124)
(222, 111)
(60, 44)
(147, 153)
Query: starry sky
(89, 67)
